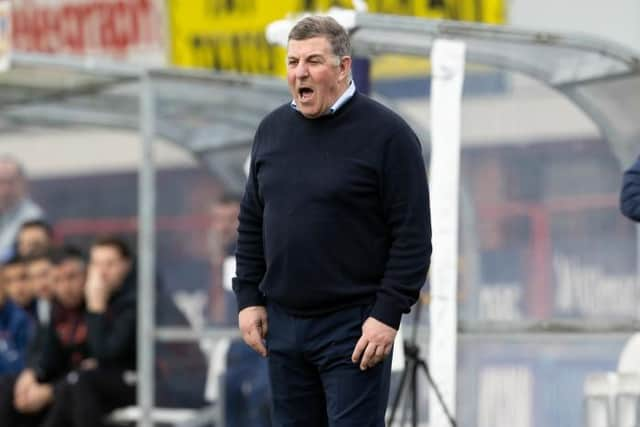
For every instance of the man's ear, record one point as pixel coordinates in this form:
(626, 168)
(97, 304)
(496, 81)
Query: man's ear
(345, 67)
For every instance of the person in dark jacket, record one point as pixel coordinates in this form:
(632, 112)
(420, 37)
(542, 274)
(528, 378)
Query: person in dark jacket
(15, 331)
(18, 288)
(39, 268)
(107, 380)
(34, 237)
(334, 238)
(246, 378)
(25, 398)
(630, 192)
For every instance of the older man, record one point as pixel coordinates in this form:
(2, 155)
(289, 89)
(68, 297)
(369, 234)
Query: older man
(15, 205)
(334, 238)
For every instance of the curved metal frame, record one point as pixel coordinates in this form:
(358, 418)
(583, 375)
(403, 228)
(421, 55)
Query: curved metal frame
(380, 34)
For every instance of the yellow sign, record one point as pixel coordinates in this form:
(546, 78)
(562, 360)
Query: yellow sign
(230, 34)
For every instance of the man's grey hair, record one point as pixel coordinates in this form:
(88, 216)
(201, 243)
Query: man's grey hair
(323, 26)
(8, 159)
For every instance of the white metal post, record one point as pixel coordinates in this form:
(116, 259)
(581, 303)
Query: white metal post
(447, 62)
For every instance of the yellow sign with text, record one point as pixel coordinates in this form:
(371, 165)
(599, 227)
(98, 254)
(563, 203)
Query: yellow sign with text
(230, 34)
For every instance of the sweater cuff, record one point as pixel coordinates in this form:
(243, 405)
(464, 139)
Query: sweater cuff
(247, 294)
(386, 312)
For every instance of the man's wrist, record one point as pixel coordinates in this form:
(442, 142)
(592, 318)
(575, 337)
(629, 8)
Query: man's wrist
(96, 307)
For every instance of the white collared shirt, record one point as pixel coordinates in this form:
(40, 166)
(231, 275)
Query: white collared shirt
(346, 95)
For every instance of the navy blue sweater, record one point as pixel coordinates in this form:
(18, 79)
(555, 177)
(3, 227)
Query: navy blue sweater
(335, 213)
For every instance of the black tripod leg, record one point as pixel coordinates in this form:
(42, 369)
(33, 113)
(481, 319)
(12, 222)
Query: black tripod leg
(414, 397)
(435, 389)
(396, 400)
(410, 389)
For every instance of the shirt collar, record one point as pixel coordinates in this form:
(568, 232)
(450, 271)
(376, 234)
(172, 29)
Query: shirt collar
(346, 95)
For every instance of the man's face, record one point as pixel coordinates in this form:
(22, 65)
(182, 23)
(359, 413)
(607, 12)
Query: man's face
(111, 266)
(11, 185)
(316, 76)
(17, 284)
(40, 280)
(32, 240)
(69, 278)
(224, 221)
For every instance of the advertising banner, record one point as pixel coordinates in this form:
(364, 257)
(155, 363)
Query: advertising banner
(230, 35)
(120, 29)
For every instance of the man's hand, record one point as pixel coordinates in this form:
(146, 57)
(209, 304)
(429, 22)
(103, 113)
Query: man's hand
(253, 325)
(96, 292)
(38, 396)
(374, 345)
(25, 380)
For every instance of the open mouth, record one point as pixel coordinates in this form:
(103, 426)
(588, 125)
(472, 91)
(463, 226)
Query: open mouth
(305, 93)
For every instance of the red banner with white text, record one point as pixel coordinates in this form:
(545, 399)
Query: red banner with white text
(120, 29)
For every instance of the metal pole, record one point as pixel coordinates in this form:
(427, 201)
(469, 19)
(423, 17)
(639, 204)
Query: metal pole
(146, 252)
(447, 59)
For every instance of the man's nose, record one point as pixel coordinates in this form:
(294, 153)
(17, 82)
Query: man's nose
(302, 70)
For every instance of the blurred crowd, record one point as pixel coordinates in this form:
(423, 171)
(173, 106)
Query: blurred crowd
(67, 321)
(68, 324)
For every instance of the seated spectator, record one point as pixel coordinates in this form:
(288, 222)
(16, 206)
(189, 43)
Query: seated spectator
(25, 398)
(246, 381)
(14, 273)
(222, 245)
(108, 381)
(15, 331)
(630, 192)
(39, 269)
(34, 237)
(16, 207)
(66, 345)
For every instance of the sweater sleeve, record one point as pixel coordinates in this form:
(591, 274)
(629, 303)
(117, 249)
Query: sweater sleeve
(630, 193)
(250, 261)
(405, 198)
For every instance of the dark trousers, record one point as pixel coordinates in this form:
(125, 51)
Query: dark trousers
(314, 382)
(85, 397)
(8, 414)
